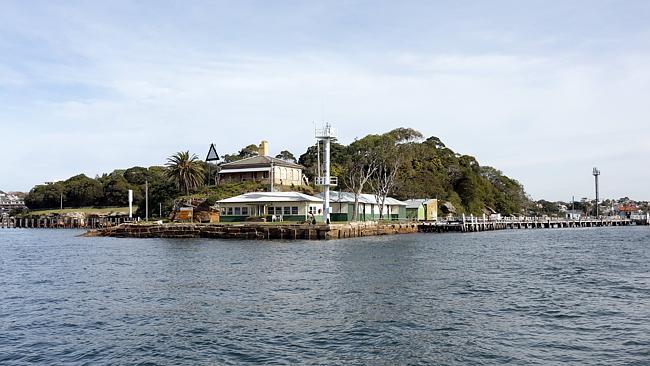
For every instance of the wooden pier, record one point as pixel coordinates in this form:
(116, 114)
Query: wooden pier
(61, 222)
(479, 224)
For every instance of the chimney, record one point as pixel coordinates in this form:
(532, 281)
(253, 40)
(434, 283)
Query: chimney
(264, 148)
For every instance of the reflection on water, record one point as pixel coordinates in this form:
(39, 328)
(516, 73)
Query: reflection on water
(525, 297)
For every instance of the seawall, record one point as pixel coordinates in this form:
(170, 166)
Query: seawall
(255, 231)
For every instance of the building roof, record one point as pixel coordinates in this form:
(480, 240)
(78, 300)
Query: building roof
(258, 161)
(417, 202)
(348, 197)
(264, 197)
(245, 170)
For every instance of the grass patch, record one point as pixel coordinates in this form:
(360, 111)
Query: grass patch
(86, 210)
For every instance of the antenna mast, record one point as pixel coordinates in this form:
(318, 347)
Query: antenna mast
(326, 135)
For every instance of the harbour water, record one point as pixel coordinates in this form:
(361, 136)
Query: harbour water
(563, 296)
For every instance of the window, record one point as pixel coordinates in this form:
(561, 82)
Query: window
(265, 174)
(313, 210)
(244, 211)
(237, 210)
(271, 210)
(278, 210)
(229, 211)
(287, 210)
(294, 210)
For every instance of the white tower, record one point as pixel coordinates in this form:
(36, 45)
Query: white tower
(326, 135)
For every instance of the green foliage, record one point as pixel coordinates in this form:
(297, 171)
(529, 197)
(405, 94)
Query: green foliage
(246, 152)
(225, 190)
(286, 155)
(423, 169)
(431, 169)
(185, 171)
(115, 190)
(310, 160)
(45, 196)
(162, 193)
(82, 191)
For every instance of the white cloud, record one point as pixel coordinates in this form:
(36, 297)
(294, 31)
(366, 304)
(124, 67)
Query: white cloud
(542, 118)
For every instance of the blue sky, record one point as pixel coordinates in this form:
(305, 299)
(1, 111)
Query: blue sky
(543, 90)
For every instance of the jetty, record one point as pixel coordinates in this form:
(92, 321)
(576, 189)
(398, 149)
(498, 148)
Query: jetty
(124, 227)
(474, 224)
(63, 222)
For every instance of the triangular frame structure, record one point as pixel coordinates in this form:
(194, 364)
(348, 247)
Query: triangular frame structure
(212, 154)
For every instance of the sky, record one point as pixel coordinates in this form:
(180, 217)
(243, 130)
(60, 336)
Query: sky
(541, 90)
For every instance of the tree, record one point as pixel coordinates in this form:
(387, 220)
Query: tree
(45, 196)
(249, 151)
(286, 156)
(81, 191)
(137, 175)
(360, 165)
(185, 171)
(310, 159)
(115, 190)
(246, 152)
(390, 151)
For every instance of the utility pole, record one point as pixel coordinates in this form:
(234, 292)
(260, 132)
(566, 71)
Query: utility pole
(596, 173)
(573, 203)
(130, 203)
(271, 176)
(61, 201)
(146, 200)
(160, 210)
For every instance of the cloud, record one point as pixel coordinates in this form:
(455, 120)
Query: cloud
(114, 96)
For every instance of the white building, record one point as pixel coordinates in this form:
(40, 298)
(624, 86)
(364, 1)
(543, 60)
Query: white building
(287, 206)
(342, 205)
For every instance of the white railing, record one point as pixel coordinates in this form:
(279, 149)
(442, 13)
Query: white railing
(322, 181)
(326, 132)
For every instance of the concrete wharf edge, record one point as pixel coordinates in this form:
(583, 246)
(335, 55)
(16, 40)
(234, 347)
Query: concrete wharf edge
(255, 231)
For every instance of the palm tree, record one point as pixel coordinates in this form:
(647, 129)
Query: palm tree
(185, 170)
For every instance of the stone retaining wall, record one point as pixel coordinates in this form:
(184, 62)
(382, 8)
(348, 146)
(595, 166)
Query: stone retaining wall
(255, 231)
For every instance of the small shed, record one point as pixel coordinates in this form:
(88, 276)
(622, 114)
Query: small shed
(422, 209)
(573, 214)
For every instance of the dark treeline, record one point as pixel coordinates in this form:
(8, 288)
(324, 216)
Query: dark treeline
(107, 190)
(400, 163)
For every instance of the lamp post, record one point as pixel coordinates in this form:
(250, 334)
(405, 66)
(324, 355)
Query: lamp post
(596, 173)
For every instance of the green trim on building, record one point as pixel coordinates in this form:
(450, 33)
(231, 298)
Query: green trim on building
(298, 218)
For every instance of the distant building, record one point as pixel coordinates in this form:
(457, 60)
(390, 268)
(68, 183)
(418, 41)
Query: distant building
(423, 209)
(342, 205)
(263, 169)
(285, 206)
(627, 209)
(9, 202)
(573, 214)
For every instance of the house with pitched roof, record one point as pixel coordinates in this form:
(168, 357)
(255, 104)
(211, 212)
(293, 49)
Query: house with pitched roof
(263, 169)
(271, 206)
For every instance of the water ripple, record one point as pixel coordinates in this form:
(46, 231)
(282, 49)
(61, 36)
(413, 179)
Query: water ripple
(529, 297)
